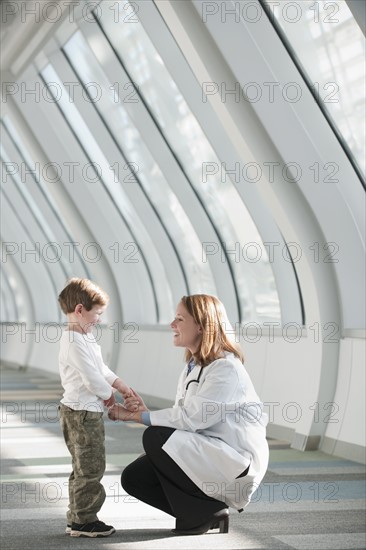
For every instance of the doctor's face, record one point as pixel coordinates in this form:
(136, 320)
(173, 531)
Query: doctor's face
(187, 334)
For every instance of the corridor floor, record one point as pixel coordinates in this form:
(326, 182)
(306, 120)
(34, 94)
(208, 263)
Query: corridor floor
(306, 501)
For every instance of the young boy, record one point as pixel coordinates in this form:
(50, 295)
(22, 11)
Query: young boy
(88, 385)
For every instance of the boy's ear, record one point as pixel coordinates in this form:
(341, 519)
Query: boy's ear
(78, 308)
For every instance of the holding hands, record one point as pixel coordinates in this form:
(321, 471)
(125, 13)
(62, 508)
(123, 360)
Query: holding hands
(122, 388)
(119, 412)
(131, 409)
(134, 402)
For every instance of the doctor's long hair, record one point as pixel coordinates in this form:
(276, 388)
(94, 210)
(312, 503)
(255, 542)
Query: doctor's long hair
(217, 334)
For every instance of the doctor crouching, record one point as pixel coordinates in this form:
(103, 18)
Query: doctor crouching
(209, 451)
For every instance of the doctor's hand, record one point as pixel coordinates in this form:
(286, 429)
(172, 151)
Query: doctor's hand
(134, 402)
(119, 412)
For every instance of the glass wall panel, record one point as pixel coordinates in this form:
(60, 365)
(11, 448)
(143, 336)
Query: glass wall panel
(52, 220)
(145, 168)
(37, 222)
(10, 298)
(250, 266)
(104, 173)
(330, 46)
(38, 246)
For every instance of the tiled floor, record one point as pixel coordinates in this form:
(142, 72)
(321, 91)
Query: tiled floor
(306, 501)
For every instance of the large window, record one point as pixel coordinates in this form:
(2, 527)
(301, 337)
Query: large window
(44, 208)
(234, 226)
(144, 168)
(31, 211)
(92, 146)
(330, 46)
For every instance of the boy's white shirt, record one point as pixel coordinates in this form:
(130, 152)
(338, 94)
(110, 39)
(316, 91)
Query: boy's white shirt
(85, 378)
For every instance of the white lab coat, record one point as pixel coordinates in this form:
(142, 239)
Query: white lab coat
(220, 430)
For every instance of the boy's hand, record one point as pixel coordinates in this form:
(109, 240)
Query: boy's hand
(122, 388)
(110, 402)
(126, 392)
(135, 402)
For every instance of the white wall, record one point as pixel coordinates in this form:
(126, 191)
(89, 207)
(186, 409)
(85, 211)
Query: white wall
(347, 429)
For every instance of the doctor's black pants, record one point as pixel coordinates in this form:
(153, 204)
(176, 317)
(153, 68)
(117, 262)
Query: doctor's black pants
(156, 479)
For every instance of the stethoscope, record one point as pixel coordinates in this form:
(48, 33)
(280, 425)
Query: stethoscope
(196, 381)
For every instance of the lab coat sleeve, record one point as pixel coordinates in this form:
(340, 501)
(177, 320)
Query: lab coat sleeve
(80, 359)
(207, 407)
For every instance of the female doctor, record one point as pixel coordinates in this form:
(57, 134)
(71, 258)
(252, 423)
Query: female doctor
(208, 451)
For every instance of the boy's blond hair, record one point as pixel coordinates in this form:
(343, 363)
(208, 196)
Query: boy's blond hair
(81, 291)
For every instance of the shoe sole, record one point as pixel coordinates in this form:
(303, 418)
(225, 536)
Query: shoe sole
(221, 523)
(92, 534)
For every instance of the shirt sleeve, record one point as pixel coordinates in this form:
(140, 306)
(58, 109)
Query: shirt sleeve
(82, 360)
(145, 418)
(108, 374)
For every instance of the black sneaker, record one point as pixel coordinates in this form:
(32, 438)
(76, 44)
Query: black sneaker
(93, 529)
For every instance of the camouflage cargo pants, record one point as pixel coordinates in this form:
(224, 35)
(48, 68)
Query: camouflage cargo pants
(84, 436)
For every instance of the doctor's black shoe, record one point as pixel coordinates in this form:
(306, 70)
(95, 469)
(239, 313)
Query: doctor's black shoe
(219, 520)
(93, 529)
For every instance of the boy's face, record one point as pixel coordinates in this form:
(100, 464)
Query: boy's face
(88, 319)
